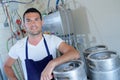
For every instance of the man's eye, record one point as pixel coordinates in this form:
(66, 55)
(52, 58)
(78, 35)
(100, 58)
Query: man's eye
(37, 19)
(27, 20)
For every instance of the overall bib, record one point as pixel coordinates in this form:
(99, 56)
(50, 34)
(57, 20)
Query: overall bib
(34, 68)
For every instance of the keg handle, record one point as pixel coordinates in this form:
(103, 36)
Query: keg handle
(92, 66)
(62, 78)
(103, 46)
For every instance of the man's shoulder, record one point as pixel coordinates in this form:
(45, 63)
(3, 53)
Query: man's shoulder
(50, 36)
(53, 38)
(21, 42)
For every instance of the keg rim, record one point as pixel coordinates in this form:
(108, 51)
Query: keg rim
(81, 63)
(88, 50)
(91, 59)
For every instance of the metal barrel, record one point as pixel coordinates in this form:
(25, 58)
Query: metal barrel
(104, 65)
(72, 70)
(89, 51)
(94, 49)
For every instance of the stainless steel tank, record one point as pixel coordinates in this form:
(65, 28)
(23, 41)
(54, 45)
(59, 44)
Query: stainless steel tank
(89, 51)
(72, 70)
(104, 65)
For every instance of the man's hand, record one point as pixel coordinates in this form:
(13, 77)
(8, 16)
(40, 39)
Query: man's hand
(47, 72)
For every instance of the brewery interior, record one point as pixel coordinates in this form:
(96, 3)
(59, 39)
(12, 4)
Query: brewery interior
(91, 27)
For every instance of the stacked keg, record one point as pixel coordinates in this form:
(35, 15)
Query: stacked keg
(104, 65)
(90, 50)
(72, 70)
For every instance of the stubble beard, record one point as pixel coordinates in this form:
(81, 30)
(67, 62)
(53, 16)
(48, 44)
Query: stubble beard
(33, 34)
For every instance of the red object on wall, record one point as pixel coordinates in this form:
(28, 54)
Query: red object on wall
(18, 21)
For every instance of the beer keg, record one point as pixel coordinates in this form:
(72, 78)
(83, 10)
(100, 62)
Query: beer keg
(89, 51)
(94, 49)
(72, 70)
(104, 65)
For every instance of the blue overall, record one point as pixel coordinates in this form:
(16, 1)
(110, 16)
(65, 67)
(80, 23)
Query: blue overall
(34, 68)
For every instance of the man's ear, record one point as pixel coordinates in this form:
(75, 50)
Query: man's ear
(42, 22)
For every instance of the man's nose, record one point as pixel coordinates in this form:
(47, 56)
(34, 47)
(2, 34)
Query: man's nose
(33, 22)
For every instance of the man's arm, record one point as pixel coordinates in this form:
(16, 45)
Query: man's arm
(69, 53)
(8, 69)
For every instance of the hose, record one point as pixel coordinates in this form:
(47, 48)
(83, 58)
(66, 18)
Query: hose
(57, 1)
(18, 2)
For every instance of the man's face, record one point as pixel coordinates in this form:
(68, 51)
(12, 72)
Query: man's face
(33, 23)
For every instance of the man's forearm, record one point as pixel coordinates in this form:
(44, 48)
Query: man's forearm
(10, 73)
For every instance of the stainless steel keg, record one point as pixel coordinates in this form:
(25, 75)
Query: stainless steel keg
(72, 70)
(92, 50)
(104, 65)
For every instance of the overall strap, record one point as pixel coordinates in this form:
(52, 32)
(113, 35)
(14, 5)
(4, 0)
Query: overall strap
(46, 46)
(26, 48)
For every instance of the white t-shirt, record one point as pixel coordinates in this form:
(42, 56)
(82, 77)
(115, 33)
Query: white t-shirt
(37, 52)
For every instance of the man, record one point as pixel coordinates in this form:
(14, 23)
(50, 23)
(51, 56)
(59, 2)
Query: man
(37, 51)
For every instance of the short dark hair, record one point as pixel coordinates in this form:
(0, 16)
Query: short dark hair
(30, 10)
